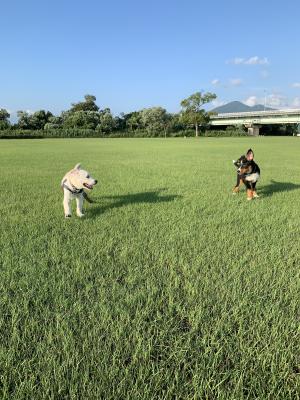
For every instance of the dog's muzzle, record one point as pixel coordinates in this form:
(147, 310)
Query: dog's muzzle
(90, 187)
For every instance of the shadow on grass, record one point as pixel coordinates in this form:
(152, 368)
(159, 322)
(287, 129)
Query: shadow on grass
(277, 187)
(131, 198)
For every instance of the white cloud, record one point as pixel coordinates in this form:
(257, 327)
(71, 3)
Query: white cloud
(296, 102)
(255, 60)
(251, 101)
(273, 100)
(276, 100)
(236, 81)
(237, 61)
(296, 85)
(215, 82)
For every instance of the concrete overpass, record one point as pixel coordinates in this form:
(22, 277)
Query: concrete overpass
(254, 119)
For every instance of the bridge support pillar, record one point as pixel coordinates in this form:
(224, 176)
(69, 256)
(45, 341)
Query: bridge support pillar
(253, 130)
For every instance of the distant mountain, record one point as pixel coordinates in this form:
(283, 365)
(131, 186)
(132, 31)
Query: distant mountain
(237, 106)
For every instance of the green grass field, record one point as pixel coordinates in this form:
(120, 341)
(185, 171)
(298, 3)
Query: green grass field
(169, 288)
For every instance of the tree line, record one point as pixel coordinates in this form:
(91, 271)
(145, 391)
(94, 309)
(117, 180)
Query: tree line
(86, 116)
(86, 119)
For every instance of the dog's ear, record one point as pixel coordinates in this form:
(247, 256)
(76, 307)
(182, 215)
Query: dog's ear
(77, 166)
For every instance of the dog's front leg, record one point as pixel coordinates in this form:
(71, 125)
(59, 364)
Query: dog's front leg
(79, 204)
(67, 204)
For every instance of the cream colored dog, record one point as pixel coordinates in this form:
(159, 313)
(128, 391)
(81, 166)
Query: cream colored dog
(73, 185)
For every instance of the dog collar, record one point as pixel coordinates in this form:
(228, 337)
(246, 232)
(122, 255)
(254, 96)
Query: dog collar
(74, 191)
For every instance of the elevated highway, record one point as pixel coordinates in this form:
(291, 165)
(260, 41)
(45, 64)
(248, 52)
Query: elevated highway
(254, 119)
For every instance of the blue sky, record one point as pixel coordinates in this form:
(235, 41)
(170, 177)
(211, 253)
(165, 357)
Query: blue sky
(137, 54)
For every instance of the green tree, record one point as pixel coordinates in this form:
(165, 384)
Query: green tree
(23, 120)
(133, 120)
(34, 121)
(54, 123)
(106, 121)
(120, 123)
(39, 119)
(175, 123)
(81, 119)
(192, 111)
(87, 105)
(4, 116)
(155, 120)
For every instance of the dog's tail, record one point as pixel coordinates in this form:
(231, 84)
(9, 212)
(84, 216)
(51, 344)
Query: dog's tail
(86, 197)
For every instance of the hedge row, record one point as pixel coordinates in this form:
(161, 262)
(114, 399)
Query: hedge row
(53, 133)
(227, 133)
(82, 133)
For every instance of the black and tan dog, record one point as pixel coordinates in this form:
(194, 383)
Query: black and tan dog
(248, 172)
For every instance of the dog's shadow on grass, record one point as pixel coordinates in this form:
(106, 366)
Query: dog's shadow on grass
(277, 187)
(150, 197)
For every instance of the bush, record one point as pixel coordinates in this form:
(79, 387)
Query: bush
(86, 133)
(48, 133)
(226, 133)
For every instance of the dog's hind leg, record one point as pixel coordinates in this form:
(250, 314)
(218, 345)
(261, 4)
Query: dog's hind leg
(255, 195)
(249, 190)
(249, 194)
(79, 204)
